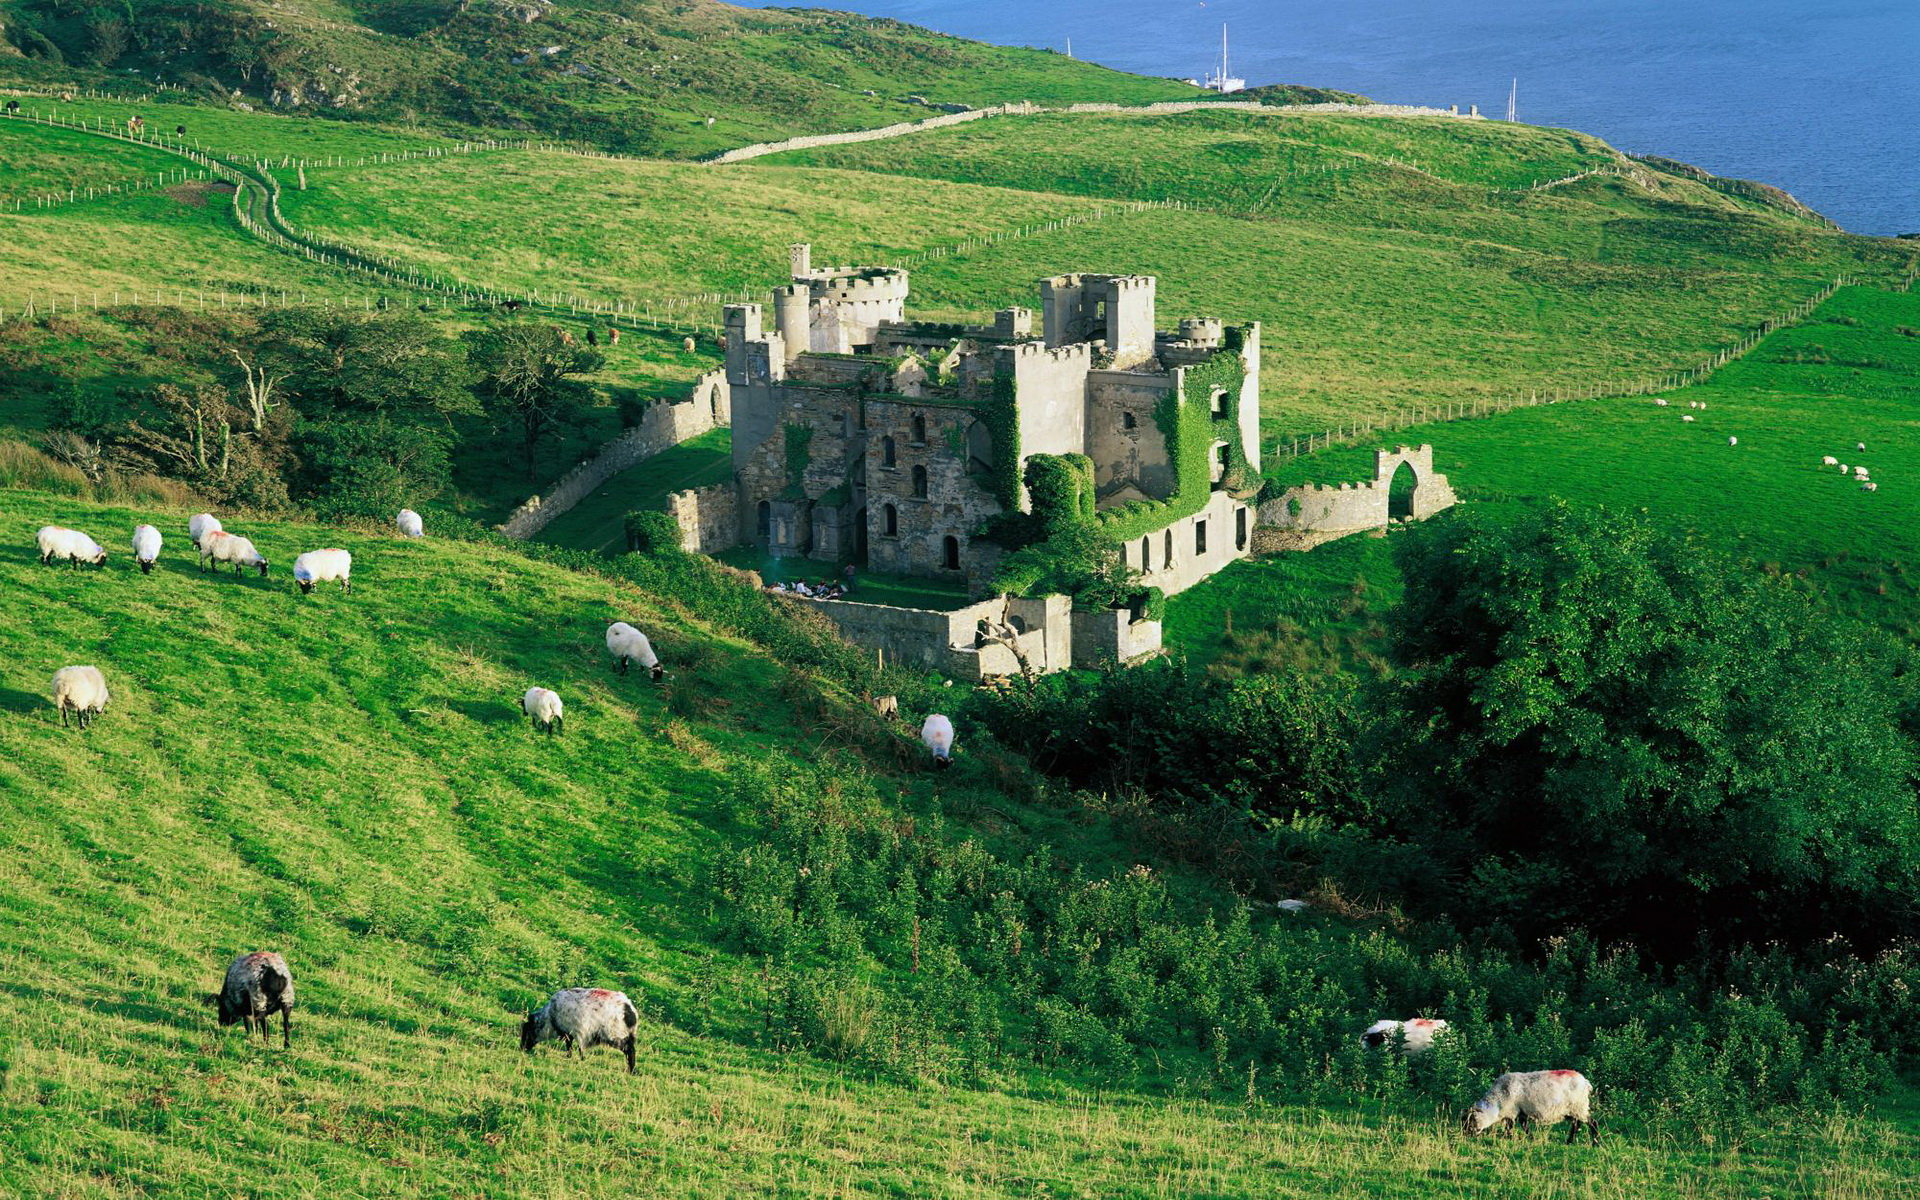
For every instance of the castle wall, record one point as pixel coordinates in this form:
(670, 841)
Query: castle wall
(955, 504)
(1051, 389)
(1113, 636)
(709, 517)
(1308, 515)
(1229, 528)
(1123, 454)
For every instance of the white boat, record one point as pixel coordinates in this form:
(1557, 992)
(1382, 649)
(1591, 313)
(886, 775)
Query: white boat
(1223, 80)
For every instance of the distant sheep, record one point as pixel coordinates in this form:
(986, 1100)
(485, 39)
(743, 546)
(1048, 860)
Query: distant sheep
(146, 547)
(1416, 1035)
(200, 525)
(1860, 446)
(1535, 1097)
(1693, 404)
(409, 524)
(219, 546)
(1733, 441)
(1687, 417)
(544, 706)
(583, 1018)
(1292, 906)
(628, 645)
(257, 986)
(888, 707)
(1843, 468)
(323, 566)
(1867, 485)
(1859, 472)
(81, 691)
(1829, 461)
(1660, 403)
(69, 544)
(689, 345)
(937, 733)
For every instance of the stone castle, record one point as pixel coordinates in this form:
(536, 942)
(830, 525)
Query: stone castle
(862, 436)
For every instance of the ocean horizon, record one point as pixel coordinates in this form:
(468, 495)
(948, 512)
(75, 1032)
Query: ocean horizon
(1819, 100)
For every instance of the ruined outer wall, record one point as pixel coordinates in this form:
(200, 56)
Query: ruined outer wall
(1223, 518)
(661, 427)
(1305, 516)
(709, 517)
(955, 503)
(1112, 636)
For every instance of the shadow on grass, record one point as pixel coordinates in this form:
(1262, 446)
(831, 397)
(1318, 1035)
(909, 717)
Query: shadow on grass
(23, 702)
(504, 711)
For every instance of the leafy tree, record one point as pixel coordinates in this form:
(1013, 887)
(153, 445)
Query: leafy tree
(528, 376)
(1605, 725)
(397, 365)
(108, 36)
(371, 465)
(1077, 560)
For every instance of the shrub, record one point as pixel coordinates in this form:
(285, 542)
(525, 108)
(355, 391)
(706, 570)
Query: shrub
(652, 533)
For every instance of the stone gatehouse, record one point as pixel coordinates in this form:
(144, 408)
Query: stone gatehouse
(862, 436)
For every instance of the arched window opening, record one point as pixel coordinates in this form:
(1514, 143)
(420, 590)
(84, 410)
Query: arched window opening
(950, 553)
(1166, 550)
(886, 452)
(979, 446)
(891, 517)
(1400, 492)
(1146, 553)
(766, 519)
(919, 430)
(920, 483)
(1240, 529)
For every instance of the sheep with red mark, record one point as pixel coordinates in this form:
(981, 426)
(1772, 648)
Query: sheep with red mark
(1535, 1098)
(937, 733)
(1415, 1036)
(257, 986)
(583, 1018)
(220, 546)
(69, 544)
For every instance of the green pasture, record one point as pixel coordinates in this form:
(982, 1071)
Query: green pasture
(598, 522)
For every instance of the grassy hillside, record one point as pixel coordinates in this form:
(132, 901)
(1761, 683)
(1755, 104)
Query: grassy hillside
(666, 77)
(1849, 374)
(346, 778)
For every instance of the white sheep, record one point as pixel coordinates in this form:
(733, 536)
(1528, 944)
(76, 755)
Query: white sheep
(1416, 1035)
(1829, 461)
(888, 707)
(543, 705)
(1867, 485)
(1292, 906)
(1687, 417)
(408, 523)
(1693, 404)
(937, 733)
(1843, 468)
(1859, 472)
(257, 986)
(1860, 446)
(1733, 441)
(583, 1018)
(218, 546)
(146, 547)
(689, 345)
(70, 544)
(1660, 403)
(1535, 1097)
(1703, 406)
(81, 691)
(200, 525)
(628, 645)
(323, 566)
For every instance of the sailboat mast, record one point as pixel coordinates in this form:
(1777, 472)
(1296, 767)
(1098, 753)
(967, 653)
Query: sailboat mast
(1513, 98)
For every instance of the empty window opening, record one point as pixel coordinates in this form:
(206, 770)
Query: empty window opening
(886, 452)
(766, 519)
(1146, 553)
(1199, 537)
(950, 553)
(920, 483)
(919, 430)
(891, 517)
(1240, 529)
(1129, 421)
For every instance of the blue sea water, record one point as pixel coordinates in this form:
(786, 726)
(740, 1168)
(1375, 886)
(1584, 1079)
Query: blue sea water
(1821, 97)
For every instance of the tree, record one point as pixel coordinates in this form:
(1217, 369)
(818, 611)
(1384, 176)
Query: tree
(527, 376)
(371, 466)
(398, 365)
(108, 36)
(1605, 725)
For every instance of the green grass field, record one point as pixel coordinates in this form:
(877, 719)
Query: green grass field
(1849, 374)
(597, 523)
(347, 778)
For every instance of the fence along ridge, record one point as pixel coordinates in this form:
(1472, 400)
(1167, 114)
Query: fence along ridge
(1466, 410)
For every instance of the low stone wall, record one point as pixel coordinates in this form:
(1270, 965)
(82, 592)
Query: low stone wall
(816, 140)
(709, 517)
(1049, 638)
(663, 426)
(1311, 514)
(1112, 636)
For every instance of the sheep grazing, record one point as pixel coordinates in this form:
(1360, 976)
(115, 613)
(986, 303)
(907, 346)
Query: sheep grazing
(1829, 461)
(1843, 468)
(81, 691)
(1733, 441)
(689, 345)
(69, 544)
(1535, 1097)
(323, 566)
(1416, 1036)
(146, 547)
(1861, 446)
(258, 985)
(1660, 403)
(1867, 485)
(199, 525)
(1859, 472)
(583, 1018)
(218, 546)
(628, 645)
(544, 706)
(1687, 417)
(408, 523)
(888, 707)
(937, 733)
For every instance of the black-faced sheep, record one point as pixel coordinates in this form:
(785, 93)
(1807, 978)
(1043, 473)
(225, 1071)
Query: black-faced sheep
(628, 645)
(220, 546)
(69, 544)
(323, 566)
(258, 985)
(81, 691)
(583, 1018)
(146, 547)
(543, 705)
(1535, 1097)
(937, 733)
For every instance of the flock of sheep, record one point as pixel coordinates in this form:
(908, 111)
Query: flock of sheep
(260, 984)
(1859, 473)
